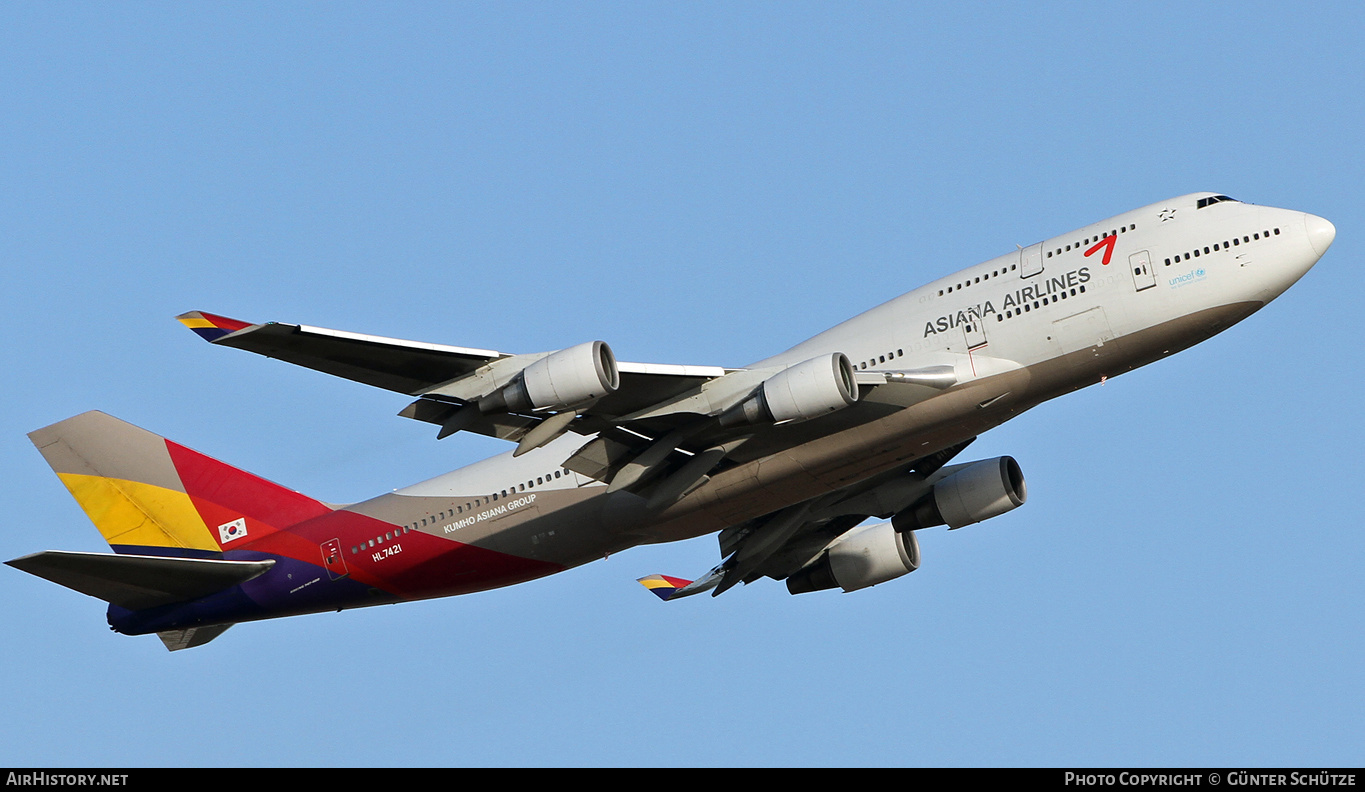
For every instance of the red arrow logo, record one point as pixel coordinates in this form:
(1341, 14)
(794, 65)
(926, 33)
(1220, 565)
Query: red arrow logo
(1108, 244)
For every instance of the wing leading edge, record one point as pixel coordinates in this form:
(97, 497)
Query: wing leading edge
(410, 367)
(448, 378)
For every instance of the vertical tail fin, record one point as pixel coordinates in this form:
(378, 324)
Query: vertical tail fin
(148, 495)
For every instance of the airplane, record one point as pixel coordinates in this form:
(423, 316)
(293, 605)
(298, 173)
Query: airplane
(785, 459)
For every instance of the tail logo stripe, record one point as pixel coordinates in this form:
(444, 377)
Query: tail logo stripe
(132, 513)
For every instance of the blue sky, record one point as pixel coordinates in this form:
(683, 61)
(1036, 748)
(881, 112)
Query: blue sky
(693, 183)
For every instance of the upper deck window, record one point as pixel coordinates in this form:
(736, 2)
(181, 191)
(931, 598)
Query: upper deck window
(1213, 199)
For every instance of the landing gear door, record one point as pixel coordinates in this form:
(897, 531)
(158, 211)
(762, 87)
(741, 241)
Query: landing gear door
(1144, 277)
(1031, 260)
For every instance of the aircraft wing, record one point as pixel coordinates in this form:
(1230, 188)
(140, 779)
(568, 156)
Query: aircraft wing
(657, 430)
(780, 544)
(417, 368)
(405, 366)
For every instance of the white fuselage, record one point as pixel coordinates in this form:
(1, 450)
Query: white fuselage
(928, 323)
(1016, 330)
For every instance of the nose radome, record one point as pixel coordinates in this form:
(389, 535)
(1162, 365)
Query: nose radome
(1320, 233)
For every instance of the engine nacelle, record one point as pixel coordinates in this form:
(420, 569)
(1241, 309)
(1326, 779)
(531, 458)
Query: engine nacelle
(860, 558)
(977, 492)
(816, 387)
(558, 381)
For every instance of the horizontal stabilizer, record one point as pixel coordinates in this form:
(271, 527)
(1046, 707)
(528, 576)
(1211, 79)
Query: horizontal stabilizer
(176, 640)
(136, 582)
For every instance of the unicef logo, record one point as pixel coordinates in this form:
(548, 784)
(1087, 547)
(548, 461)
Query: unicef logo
(1199, 273)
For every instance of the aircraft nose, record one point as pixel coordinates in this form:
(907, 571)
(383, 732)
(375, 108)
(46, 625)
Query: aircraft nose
(1320, 233)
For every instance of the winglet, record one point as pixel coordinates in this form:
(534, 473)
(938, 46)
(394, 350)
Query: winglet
(667, 587)
(210, 327)
(663, 586)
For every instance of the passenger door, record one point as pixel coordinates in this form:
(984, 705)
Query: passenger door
(975, 332)
(1144, 277)
(333, 560)
(1031, 260)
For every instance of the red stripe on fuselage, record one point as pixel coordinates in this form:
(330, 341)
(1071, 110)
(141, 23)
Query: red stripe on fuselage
(412, 565)
(282, 522)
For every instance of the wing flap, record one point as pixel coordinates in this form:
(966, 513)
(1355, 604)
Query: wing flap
(504, 426)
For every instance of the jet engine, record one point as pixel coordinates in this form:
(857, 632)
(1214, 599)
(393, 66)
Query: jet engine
(558, 381)
(976, 492)
(860, 558)
(807, 390)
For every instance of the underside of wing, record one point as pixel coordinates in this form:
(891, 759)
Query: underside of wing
(796, 543)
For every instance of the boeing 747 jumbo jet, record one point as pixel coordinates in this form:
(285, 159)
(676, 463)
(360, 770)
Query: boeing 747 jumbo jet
(786, 458)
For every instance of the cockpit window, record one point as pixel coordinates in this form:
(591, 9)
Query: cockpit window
(1211, 200)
